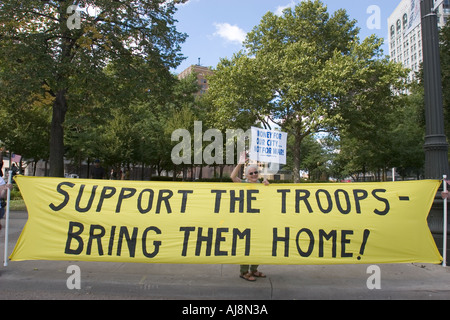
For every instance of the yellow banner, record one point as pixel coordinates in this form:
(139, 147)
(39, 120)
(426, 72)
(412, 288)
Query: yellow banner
(230, 223)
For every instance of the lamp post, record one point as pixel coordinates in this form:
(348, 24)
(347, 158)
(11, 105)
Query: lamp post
(436, 146)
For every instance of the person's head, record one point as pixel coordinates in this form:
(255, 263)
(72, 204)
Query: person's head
(97, 163)
(252, 173)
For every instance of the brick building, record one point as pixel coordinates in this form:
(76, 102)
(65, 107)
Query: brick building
(202, 75)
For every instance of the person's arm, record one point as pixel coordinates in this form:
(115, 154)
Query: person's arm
(4, 188)
(242, 160)
(234, 174)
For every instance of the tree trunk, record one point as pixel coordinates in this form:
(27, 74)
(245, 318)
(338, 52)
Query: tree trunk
(296, 156)
(57, 135)
(60, 104)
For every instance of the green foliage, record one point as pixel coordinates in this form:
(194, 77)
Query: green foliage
(123, 53)
(108, 84)
(445, 64)
(308, 72)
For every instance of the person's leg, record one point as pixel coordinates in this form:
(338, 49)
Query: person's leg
(244, 268)
(254, 271)
(245, 273)
(2, 214)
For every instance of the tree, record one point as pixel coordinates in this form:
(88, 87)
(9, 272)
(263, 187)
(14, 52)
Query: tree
(306, 71)
(25, 122)
(56, 45)
(315, 158)
(445, 64)
(237, 94)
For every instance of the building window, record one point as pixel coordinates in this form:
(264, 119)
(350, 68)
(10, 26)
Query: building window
(405, 21)
(399, 25)
(392, 31)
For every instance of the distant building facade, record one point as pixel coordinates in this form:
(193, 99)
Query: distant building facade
(405, 32)
(202, 75)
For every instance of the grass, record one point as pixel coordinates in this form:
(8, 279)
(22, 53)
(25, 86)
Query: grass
(17, 205)
(16, 202)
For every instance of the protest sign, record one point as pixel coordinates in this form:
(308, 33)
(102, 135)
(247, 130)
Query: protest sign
(268, 146)
(240, 223)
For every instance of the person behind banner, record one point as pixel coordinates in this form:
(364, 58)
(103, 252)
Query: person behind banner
(15, 170)
(3, 191)
(97, 172)
(248, 272)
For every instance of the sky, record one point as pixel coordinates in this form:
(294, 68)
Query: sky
(217, 28)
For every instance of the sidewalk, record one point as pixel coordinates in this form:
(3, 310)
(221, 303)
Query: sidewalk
(47, 280)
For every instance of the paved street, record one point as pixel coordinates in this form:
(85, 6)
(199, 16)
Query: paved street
(47, 280)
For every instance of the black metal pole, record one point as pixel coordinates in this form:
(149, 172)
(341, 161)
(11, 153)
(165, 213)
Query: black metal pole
(436, 146)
